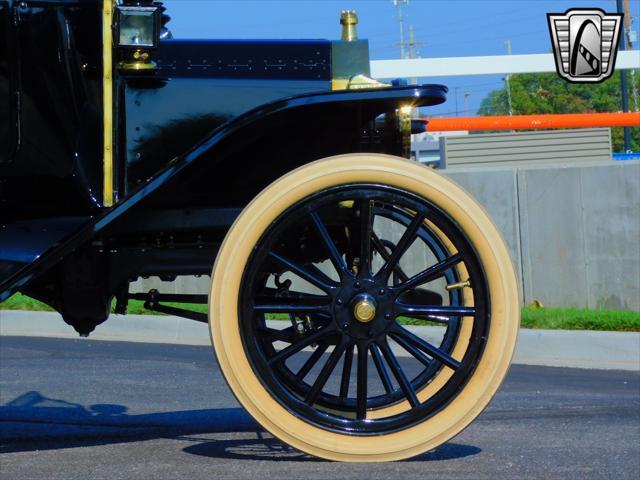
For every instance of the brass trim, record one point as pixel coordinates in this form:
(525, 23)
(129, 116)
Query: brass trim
(357, 82)
(458, 285)
(364, 311)
(404, 120)
(140, 61)
(107, 101)
(350, 66)
(349, 20)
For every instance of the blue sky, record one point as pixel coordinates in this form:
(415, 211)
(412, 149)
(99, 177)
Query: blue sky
(446, 28)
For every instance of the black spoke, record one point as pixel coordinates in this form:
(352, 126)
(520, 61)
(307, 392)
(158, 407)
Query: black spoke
(382, 250)
(426, 347)
(315, 277)
(428, 311)
(430, 273)
(381, 368)
(312, 360)
(324, 374)
(346, 372)
(366, 229)
(300, 344)
(334, 255)
(273, 334)
(417, 354)
(408, 237)
(289, 305)
(361, 397)
(403, 381)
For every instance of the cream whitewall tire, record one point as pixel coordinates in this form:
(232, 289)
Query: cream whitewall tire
(485, 366)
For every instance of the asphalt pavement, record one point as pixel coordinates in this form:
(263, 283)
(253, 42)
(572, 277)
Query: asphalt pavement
(85, 409)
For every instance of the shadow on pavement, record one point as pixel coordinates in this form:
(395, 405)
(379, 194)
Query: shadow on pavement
(34, 422)
(268, 448)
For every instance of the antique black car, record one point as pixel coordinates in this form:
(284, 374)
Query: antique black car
(125, 153)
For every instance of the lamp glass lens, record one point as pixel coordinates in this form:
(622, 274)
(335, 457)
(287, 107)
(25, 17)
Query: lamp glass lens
(136, 28)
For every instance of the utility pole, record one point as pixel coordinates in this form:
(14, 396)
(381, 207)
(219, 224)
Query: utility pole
(399, 4)
(623, 83)
(506, 79)
(413, 51)
(407, 49)
(412, 43)
(632, 72)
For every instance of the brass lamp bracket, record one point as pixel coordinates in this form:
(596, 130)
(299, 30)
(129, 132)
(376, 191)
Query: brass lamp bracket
(138, 61)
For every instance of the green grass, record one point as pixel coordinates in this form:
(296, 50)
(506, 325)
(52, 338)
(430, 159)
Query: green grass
(22, 302)
(546, 318)
(581, 319)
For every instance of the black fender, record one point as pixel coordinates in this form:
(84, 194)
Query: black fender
(209, 174)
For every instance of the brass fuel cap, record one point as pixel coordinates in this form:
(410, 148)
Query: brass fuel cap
(364, 309)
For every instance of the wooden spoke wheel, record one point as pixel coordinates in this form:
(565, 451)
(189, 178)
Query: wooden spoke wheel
(312, 290)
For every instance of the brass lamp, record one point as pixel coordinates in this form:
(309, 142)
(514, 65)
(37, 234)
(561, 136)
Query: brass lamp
(137, 32)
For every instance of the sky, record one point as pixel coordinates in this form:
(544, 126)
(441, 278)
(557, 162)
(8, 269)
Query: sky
(443, 28)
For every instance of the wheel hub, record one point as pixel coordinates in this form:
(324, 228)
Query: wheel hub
(364, 309)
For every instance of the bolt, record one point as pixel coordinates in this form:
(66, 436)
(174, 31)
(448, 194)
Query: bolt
(358, 284)
(339, 301)
(382, 291)
(387, 316)
(345, 325)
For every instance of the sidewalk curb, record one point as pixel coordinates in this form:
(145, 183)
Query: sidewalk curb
(557, 348)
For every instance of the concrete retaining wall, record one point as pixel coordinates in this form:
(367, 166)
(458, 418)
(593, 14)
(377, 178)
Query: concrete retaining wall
(573, 232)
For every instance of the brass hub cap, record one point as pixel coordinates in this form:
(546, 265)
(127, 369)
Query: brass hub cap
(365, 309)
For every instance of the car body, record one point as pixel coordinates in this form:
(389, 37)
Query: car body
(277, 167)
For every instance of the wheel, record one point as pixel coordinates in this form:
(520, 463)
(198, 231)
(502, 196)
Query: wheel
(314, 286)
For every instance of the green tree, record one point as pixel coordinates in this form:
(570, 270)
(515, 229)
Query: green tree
(538, 93)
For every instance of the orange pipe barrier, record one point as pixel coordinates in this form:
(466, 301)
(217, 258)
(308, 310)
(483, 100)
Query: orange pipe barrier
(526, 122)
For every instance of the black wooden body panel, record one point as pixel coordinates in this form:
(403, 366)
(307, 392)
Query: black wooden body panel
(8, 99)
(55, 167)
(201, 84)
(245, 59)
(165, 122)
